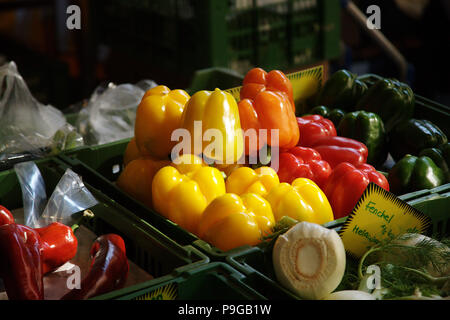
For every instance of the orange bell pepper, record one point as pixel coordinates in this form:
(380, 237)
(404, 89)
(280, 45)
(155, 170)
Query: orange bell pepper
(137, 176)
(267, 103)
(258, 80)
(131, 152)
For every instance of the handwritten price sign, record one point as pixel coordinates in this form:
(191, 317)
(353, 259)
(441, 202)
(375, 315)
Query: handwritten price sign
(379, 215)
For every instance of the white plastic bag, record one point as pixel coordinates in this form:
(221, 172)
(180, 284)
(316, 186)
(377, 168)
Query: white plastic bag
(111, 112)
(26, 125)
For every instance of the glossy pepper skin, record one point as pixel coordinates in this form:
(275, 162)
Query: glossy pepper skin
(258, 80)
(231, 221)
(181, 192)
(108, 271)
(301, 162)
(368, 128)
(218, 112)
(347, 183)
(412, 136)
(336, 150)
(392, 100)
(157, 116)
(413, 173)
(6, 216)
(137, 177)
(21, 262)
(131, 152)
(58, 245)
(267, 104)
(302, 200)
(335, 115)
(440, 156)
(342, 90)
(313, 128)
(246, 180)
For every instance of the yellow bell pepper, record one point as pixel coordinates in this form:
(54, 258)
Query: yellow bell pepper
(137, 176)
(231, 221)
(157, 116)
(303, 200)
(182, 191)
(246, 180)
(219, 115)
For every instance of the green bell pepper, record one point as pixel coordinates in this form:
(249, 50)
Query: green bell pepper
(335, 115)
(412, 136)
(368, 128)
(441, 157)
(342, 90)
(392, 100)
(413, 173)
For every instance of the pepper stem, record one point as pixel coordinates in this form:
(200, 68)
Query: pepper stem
(87, 214)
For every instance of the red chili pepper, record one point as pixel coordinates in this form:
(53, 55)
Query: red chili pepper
(20, 262)
(59, 245)
(347, 183)
(108, 271)
(300, 162)
(6, 216)
(336, 150)
(313, 128)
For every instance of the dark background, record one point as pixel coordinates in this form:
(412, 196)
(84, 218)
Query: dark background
(63, 66)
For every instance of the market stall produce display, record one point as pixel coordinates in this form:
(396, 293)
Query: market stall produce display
(315, 174)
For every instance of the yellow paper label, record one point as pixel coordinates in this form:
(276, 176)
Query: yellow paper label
(305, 83)
(379, 215)
(167, 292)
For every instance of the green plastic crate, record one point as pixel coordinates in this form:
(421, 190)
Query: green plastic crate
(187, 35)
(213, 281)
(146, 246)
(257, 264)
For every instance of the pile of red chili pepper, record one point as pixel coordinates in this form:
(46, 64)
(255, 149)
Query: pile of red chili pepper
(28, 254)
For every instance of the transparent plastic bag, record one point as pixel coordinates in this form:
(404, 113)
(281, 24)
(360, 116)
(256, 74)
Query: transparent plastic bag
(65, 138)
(33, 192)
(69, 197)
(111, 112)
(25, 124)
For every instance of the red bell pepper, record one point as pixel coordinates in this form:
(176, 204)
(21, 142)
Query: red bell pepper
(301, 162)
(5, 216)
(21, 263)
(58, 244)
(313, 128)
(347, 183)
(258, 80)
(336, 150)
(108, 271)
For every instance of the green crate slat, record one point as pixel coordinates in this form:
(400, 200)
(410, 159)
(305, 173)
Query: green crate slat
(213, 281)
(146, 246)
(257, 264)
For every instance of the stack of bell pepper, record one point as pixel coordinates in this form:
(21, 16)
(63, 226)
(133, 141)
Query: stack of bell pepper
(230, 203)
(379, 113)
